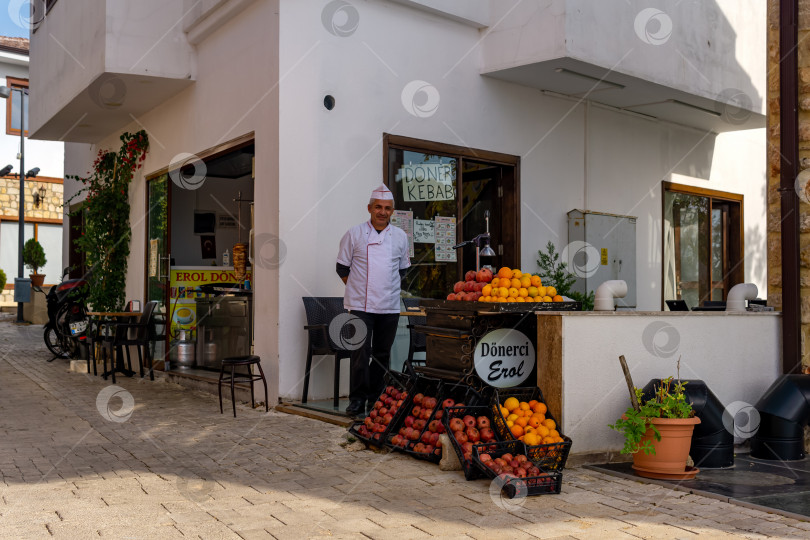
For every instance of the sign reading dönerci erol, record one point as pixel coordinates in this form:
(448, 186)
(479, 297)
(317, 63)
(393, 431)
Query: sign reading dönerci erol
(427, 182)
(504, 358)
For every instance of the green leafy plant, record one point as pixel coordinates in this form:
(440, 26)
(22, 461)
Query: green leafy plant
(2, 280)
(34, 255)
(669, 401)
(107, 232)
(554, 272)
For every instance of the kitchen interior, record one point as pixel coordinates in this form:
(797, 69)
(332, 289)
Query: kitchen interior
(210, 302)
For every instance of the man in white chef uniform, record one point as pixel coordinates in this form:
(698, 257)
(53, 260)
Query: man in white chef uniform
(371, 262)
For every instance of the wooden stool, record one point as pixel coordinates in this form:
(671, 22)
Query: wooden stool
(233, 362)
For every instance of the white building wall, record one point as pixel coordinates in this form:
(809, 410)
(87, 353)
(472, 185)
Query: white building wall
(330, 160)
(236, 94)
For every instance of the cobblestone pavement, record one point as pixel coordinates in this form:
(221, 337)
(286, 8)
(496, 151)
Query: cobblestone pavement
(80, 458)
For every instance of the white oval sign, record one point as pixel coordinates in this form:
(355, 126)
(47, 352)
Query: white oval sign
(504, 358)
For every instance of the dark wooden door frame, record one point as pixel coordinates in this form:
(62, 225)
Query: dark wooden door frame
(510, 202)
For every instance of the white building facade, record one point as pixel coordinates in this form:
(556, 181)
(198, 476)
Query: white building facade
(604, 106)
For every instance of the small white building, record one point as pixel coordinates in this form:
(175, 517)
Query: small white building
(527, 110)
(43, 194)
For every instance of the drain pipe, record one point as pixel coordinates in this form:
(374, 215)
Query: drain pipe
(789, 169)
(738, 294)
(606, 292)
(784, 410)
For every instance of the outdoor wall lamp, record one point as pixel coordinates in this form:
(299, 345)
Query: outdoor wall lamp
(38, 193)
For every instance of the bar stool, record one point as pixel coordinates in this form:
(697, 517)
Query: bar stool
(233, 362)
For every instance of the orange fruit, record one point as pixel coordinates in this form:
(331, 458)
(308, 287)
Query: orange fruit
(548, 440)
(523, 292)
(509, 423)
(511, 404)
(540, 407)
(526, 280)
(531, 439)
(512, 417)
(532, 403)
(520, 299)
(553, 433)
(516, 274)
(551, 291)
(515, 283)
(494, 282)
(541, 291)
(514, 293)
(532, 291)
(517, 430)
(536, 281)
(524, 406)
(547, 299)
(487, 290)
(505, 272)
(557, 298)
(543, 431)
(549, 423)
(504, 411)
(501, 299)
(522, 422)
(534, 421)
(503, 292)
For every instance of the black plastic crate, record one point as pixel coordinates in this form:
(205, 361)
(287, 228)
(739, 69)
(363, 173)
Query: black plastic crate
(552, 456)
(401, 382)
(429, 388)
(546, 483)
(458, 392)
(471, 471)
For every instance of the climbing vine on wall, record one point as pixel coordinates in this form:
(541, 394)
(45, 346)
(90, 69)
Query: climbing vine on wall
(107, 232)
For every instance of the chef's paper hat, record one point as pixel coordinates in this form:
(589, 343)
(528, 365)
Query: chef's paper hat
(382, 193)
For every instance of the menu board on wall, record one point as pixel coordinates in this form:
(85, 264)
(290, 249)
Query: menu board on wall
(404, 220)
(153, 257)
(445, 232)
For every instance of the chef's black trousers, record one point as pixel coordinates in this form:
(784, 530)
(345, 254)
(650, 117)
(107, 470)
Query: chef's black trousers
(371, 360)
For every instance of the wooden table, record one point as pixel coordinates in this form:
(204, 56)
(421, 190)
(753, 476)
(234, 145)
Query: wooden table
(115, 363)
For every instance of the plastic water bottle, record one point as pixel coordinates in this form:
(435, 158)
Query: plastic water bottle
(226, 258)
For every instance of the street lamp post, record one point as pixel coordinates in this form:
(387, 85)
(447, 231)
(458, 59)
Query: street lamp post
(5, 92)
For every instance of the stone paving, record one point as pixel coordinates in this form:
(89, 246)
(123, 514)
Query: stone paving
(80, 458)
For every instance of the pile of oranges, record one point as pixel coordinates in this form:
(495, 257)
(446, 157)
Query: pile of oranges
(512, 285)
(528, 422)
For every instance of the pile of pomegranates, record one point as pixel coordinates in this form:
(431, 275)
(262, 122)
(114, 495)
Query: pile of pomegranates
(383, 412)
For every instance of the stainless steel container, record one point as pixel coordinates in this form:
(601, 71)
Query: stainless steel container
(182, 351)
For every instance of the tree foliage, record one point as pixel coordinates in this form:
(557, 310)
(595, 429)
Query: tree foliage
(555, 272)
(106, 235)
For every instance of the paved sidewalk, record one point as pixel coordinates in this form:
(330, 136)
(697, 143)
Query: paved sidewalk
(80, 458)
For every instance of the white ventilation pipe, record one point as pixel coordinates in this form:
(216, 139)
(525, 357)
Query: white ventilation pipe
(738, 294)
(606, 292)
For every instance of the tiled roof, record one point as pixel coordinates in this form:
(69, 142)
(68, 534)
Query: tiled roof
(21, 44)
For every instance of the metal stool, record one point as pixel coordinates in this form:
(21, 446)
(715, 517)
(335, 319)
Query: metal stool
(233, 362)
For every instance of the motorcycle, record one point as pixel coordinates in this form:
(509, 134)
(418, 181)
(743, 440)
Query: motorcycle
(67, 317)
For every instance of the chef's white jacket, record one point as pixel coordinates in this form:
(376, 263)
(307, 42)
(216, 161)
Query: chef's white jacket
(375, 260)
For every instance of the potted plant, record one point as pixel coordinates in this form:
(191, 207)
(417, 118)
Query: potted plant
(34, 258)
(658, 431)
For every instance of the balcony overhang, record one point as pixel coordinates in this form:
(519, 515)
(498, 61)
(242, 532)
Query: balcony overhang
(109, 103)
(730, 111)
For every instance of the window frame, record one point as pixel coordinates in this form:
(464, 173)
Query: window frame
(509, 242)
(735, 242)
(14, 82)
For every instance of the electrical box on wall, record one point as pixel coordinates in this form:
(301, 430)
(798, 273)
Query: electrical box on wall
(602, 247)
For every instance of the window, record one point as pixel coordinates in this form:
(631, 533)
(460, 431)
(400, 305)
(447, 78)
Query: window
(13, 106)
(703, 244)
(447, 191)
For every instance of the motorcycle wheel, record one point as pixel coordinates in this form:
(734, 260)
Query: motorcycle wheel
(53, 342)
(69, 342)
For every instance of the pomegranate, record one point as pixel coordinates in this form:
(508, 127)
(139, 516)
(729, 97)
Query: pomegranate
(484, 275)
(472, 435)
(456, 424)
(460, 436)
(483, 422)
(417, 399)
(470, 275)
(469, 421)
(458, 287)
(486, 434)
(448, 403)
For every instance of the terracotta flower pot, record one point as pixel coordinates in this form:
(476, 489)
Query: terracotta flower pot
(37, 280)
(672, 451)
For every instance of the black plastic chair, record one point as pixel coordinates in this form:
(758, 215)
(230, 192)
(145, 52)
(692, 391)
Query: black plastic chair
(418, 340)
(138, 334)
(321, 311)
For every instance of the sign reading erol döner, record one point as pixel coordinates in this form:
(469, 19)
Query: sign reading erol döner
(504, 358)
(427, 182)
